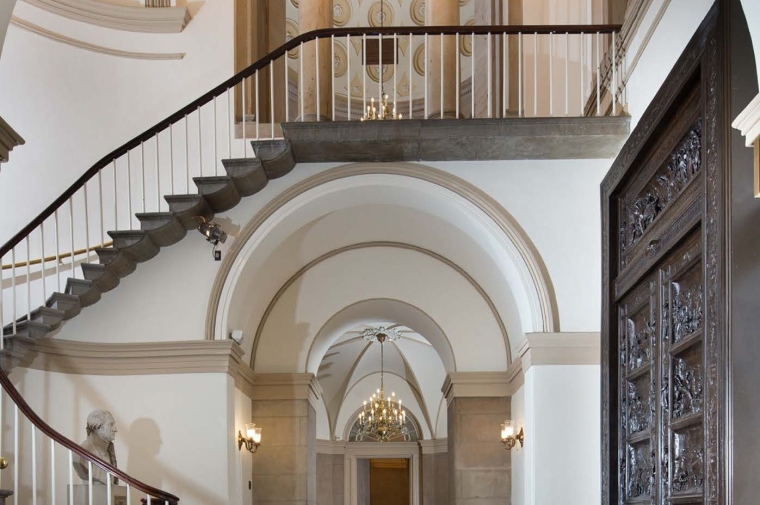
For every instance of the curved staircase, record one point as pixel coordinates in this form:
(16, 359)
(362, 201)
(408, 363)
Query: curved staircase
(245, 177)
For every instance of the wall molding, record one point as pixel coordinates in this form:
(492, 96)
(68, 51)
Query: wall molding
(80, 44)
(330, 446)
(435, 446)
(149, 358)
(8, 140)
(475, 384)
(278, 386)
(748, 121)
(119, 17)
(559, 349)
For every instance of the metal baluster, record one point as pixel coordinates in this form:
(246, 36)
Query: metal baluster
(71, 231)
(504, 75)
(100, 201)
(287, 89)
(472, 76)
(13, 288)
(52, 472)
(89, 482)
(58, 249)
(28, 282)
(441, 44)
(396, 109)
(535, 74)
(129, 191)
(582, 67)
(256, 82)
(551, 74)
(271, 101)
(245, 140)
(613, 82)
(109, 479)
(86, 230)
(158, 174)
(319, 96)
(519, 75)
(34, 465)
(142, 172)
(598, 84)
(490, 76)
(200, 144)
(71, 478)
(42, 261)
(187, 155)
(300, 77)
(411, 74)
(215, 160)
(129, 493)
(171, 162)
(332, 76)
(16, 462)
(348, 75)
(364, 72)
(427, 71)
(380, 71)
(458, 72)
(115, 200)
(229, 122)
(567, 73)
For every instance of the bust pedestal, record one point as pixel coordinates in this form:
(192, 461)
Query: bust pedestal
(99, 494)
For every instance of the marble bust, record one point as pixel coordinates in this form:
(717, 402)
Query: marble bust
(101, 430)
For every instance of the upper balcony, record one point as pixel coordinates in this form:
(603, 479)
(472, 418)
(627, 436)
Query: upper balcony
(444, 93)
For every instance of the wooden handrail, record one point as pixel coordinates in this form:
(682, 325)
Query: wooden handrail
(37, 261)
(266, 60)
(41, 425)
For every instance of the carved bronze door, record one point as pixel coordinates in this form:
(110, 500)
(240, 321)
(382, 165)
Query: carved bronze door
(663, 325)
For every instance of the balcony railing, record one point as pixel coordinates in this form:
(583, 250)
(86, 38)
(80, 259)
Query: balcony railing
(465, 72)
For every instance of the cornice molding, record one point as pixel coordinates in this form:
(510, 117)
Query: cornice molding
(435, 446)
(8, 140)
(330, 447)
(559, 349)
(278, 386)
(119, 17)
(149, 358)
(80, 44)
(475, 384)
(748, 122)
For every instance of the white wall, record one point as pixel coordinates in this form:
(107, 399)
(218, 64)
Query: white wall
(677, 26)
(555, 202)
(74, 106)
(752, 14)
(174, 430)
(6, 9)
(240, 478)
(519, 471)
(561, 461)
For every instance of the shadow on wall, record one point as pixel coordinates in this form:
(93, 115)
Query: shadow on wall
(144, 442)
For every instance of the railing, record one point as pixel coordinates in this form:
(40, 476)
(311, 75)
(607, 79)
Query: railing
(51, 482)
(460, 72)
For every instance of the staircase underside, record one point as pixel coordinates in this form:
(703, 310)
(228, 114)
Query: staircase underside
(458, 139)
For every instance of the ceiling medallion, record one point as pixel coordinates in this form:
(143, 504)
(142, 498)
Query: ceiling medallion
(382, 418)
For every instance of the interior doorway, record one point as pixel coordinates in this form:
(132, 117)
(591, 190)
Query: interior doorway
(384, 481)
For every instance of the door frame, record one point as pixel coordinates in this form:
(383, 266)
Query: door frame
(379, 450)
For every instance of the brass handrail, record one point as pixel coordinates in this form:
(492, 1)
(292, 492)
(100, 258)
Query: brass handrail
(46, 259)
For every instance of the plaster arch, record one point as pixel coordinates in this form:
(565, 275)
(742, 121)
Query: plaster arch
(434, 299)
(490, 228)
(379, 309)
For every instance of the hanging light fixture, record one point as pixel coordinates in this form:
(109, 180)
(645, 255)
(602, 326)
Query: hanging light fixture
(382, 418)
(382, 111)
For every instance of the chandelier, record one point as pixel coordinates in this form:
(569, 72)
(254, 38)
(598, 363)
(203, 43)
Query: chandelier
(384, 112)
(382, 418)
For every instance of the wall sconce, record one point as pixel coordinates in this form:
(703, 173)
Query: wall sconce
(252, 440)
(508, 437)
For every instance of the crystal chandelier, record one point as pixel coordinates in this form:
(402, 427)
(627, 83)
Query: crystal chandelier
(385, 112)
(382, 418)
